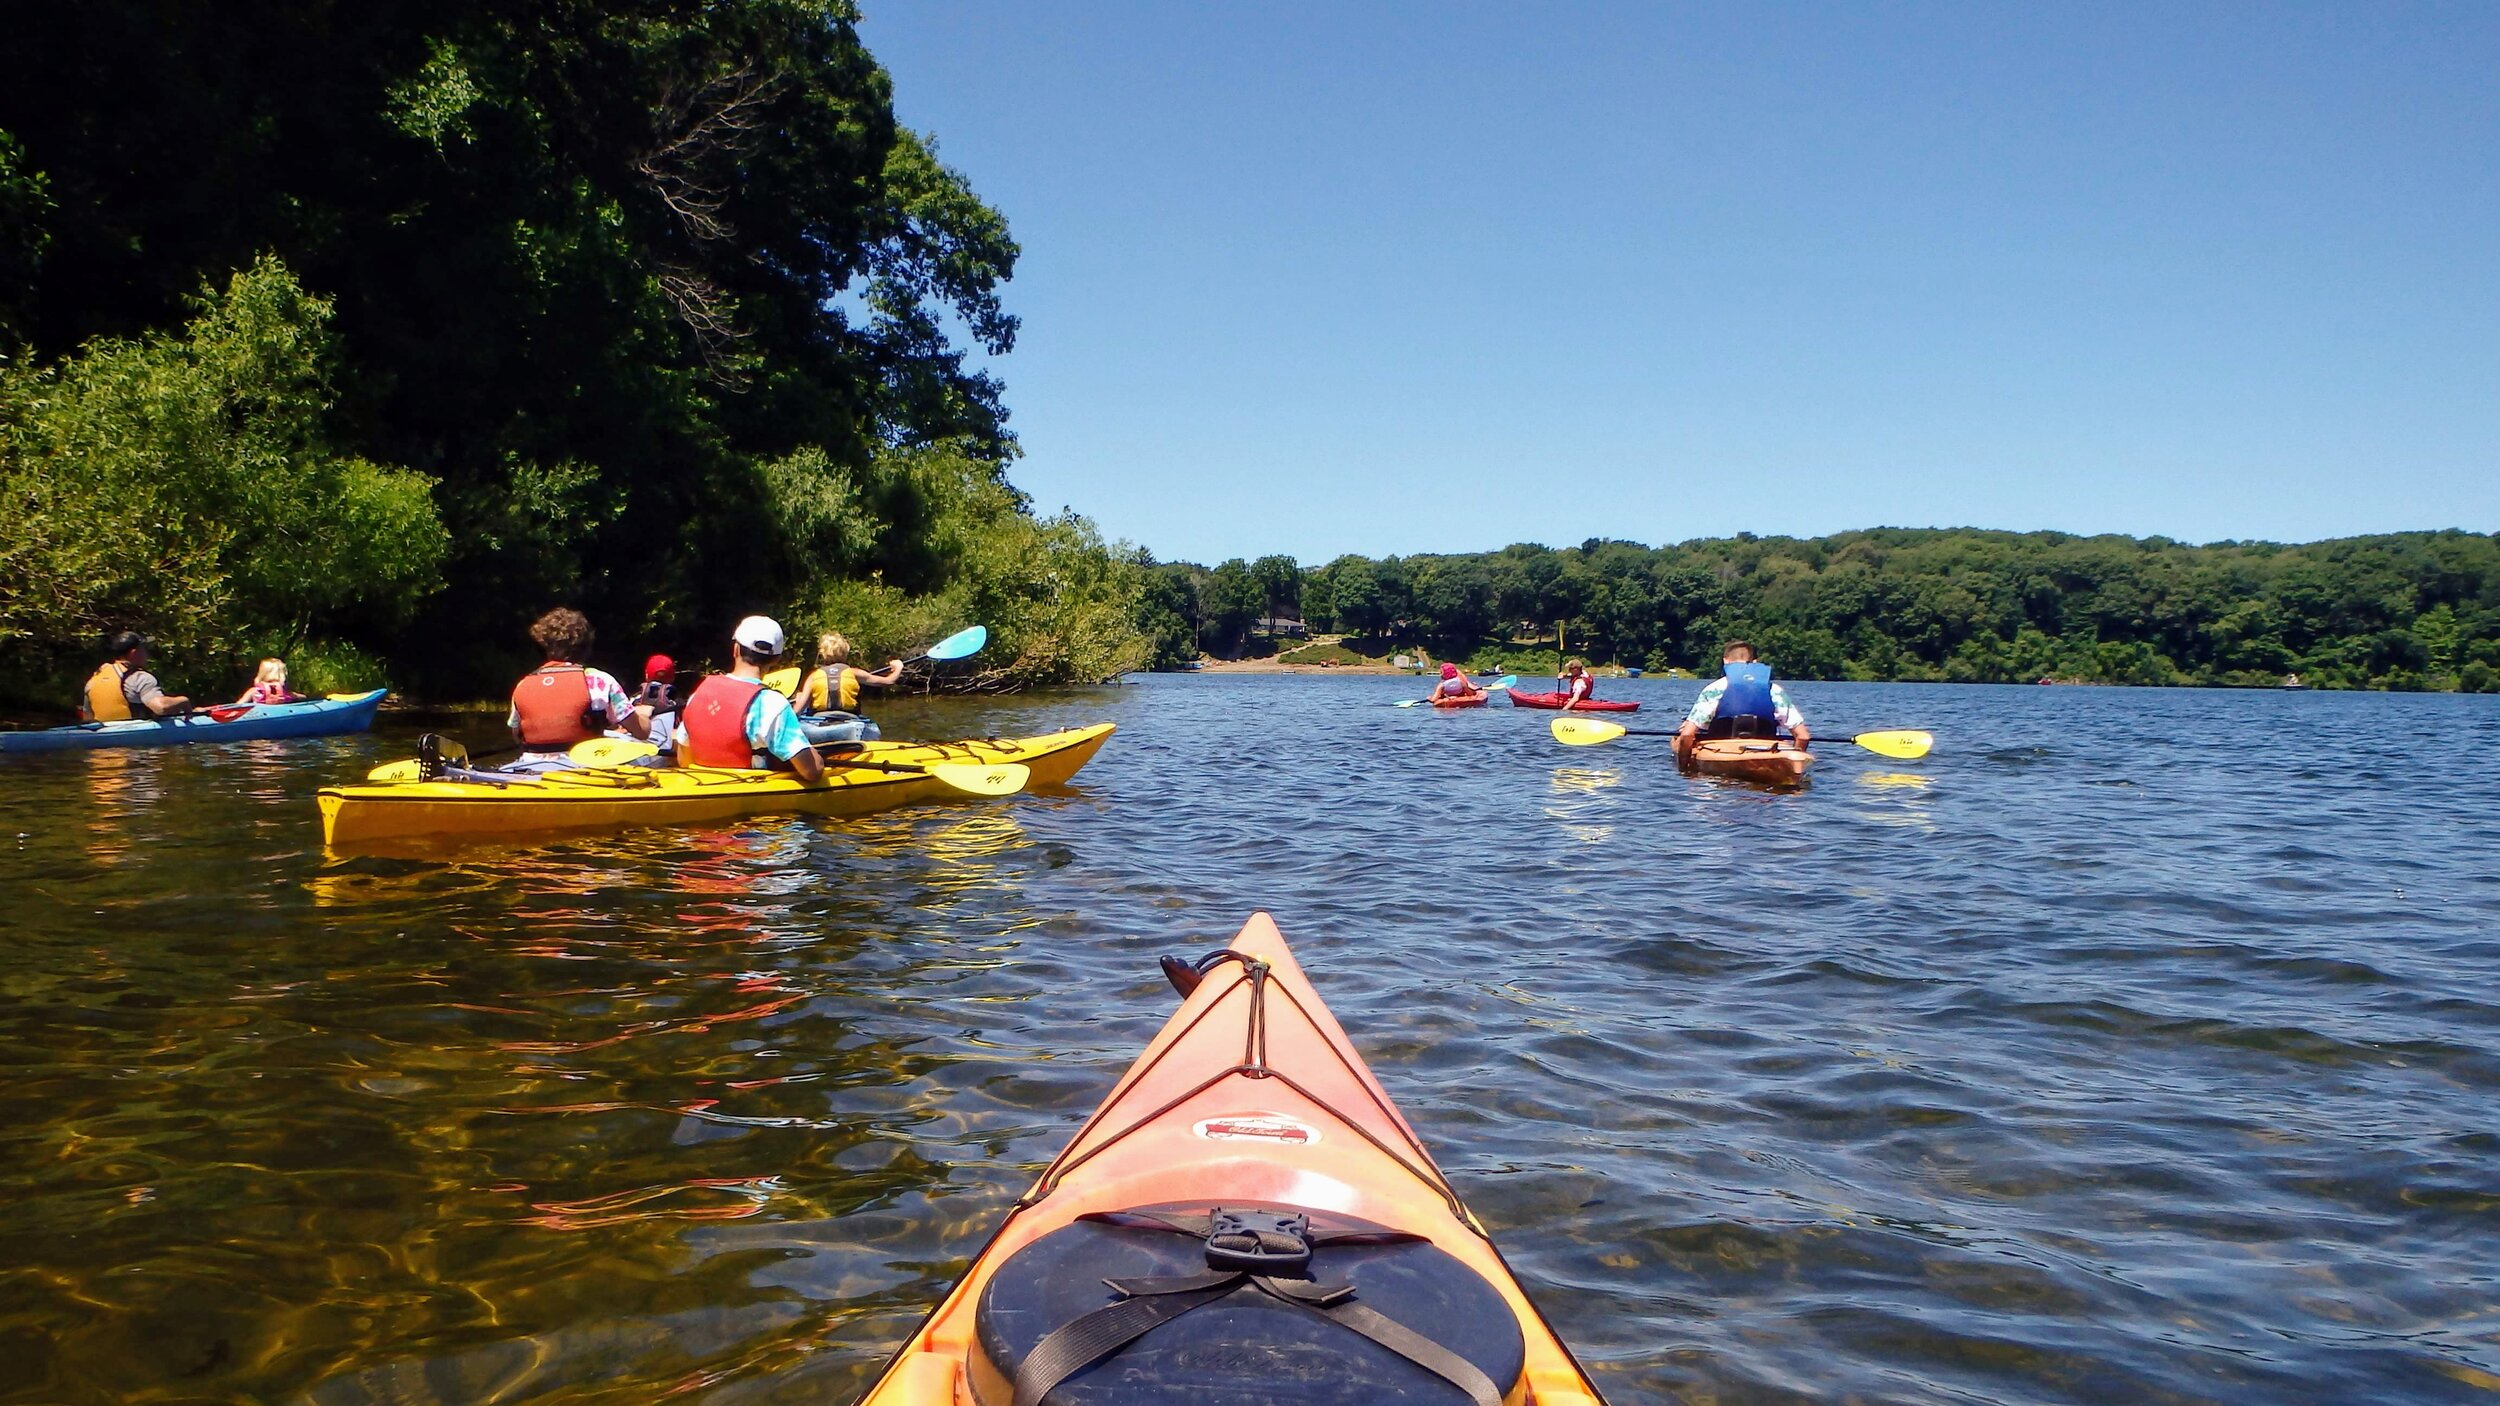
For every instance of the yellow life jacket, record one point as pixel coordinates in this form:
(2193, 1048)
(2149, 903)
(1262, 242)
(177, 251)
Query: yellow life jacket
(106, 703)
(833, 686)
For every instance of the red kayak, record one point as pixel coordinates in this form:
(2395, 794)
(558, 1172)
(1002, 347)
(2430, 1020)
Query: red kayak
(1472, 700)
(1556, 700)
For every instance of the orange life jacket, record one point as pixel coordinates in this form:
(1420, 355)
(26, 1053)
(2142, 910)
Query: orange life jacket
(106, 703)
(552, 703)
(715, 720)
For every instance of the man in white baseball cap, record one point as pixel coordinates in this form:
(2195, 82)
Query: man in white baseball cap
(733, 720)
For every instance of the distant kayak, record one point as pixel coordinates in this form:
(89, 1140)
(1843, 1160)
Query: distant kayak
(1245, 1218)
(1472, 700)
(227, 722)
(1757, 759)
(1556, 700)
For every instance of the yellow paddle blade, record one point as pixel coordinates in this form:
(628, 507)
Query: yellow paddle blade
(610, 751)
(1584, 732)
(975, 778)
(783, 680)
(342, 697)
(1907, 745)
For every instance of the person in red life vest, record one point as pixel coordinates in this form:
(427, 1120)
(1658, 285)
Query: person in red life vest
(122, 689)
(1454, 684)
(1575, 684)
(735, 720)
(565, 701)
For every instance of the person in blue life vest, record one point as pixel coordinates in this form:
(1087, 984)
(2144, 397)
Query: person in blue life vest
(565, 701)
(735, 720)
(1742, 702)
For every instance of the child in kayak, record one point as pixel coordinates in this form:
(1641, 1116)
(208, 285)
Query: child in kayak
(659, 694)
(269, 684)
(1454, 684)
(1575, 684)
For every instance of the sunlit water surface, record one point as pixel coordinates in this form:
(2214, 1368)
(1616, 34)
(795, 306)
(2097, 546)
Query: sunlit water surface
(2134, 1047)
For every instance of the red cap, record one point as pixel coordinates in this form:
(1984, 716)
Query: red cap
(1449, 671)
(658, 668)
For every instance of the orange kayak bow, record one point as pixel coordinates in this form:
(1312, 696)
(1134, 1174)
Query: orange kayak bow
(1247, 1218)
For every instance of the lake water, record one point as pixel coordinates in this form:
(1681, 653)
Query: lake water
(2135, 1046)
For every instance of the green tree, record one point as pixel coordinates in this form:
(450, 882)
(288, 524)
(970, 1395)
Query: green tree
(185, 485)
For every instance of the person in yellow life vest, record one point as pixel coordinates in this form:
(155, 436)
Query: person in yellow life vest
(565, 701)
(835, 685)
(736, 720)
(122, 689)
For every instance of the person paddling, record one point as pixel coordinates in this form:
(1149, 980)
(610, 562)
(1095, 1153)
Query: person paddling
(121, 689)
(734, 720)
(565, 701)
(1454, 684)
(1575, 684)
(1743, 702)
(835, 685)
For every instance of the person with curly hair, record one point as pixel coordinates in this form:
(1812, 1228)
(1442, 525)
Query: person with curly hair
(564, 701)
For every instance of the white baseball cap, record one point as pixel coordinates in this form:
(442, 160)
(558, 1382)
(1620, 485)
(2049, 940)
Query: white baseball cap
(760, 633)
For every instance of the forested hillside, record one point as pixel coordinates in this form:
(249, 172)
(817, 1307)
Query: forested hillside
(2417, 610)
(374, 329)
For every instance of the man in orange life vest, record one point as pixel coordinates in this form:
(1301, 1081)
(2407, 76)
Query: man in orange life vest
(564, 701)
(122, 688)
(733, 720)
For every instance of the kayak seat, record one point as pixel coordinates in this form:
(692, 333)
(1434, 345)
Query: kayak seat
(838, 727)
(1230, 1305)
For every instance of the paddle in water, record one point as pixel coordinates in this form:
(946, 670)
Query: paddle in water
(1903, 744)
(1505, 681)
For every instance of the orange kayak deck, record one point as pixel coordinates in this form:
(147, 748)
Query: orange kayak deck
(1251, 1094)
(1756, 759)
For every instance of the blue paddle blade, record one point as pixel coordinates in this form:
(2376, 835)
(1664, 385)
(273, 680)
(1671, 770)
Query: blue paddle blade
(962, 644)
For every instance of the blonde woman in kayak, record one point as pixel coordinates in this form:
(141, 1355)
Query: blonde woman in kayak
(835, 685)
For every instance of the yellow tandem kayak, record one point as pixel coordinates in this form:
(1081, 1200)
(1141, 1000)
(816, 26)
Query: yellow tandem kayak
(607, 798)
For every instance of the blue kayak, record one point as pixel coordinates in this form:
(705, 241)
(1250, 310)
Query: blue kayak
(317, 717)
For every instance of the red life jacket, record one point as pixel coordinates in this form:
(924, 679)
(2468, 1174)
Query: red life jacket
(715, 720)
(553, 705)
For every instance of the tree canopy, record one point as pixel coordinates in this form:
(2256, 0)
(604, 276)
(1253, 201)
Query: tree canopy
(2407, 610)
(658, 297)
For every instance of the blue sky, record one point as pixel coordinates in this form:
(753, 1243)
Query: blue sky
(1392, 278)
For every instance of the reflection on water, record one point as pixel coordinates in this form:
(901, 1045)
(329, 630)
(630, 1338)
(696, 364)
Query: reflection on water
(1977, 1078)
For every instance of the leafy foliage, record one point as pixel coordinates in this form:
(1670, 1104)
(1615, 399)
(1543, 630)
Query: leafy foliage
(2409, 610)
(661, 295)
(184, 485)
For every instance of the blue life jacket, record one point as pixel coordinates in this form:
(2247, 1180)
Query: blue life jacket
(1748, 695)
